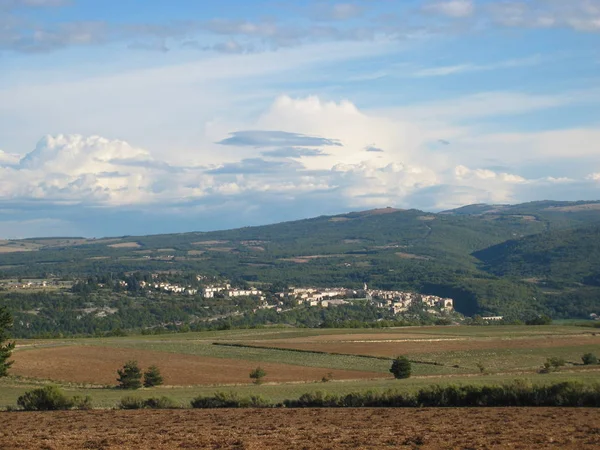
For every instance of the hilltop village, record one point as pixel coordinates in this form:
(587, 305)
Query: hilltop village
(212, 291)
(395, 301)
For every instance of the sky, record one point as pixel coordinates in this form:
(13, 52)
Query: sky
(132, 117)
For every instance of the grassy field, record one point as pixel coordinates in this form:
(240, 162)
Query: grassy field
(193, 365)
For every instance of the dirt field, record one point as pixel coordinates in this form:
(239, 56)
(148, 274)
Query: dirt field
(502, 428)
(394, 345)
(98, 365)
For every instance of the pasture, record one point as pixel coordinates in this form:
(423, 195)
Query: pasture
(297, 360)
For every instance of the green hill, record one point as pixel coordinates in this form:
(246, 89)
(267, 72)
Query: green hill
(571, 255)
(484, 256)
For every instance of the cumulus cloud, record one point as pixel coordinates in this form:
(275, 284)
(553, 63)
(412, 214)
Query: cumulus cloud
(305, 171)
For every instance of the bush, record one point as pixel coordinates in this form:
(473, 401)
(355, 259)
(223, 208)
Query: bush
(589, 359)
(327, 378)
(230, 400)
(401, 368)
(160, 403)
(130, 376)
(552, 365)
(83, 403)
(539, 320)
(152, 377)
(131, 402)
(257, 375)
(47, 398)
(519, 393)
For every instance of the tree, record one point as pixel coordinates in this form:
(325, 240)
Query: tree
(589, 359)
(481, 367)
(257, 375)
(130, 376)
(539, 320)
(152, 377)
(5, 349)
(401, 368)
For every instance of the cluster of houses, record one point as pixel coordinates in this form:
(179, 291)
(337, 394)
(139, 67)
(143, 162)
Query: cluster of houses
(28, 284)
(400, 301)
(227, 291)
(396, 301)
(167, 287)
(318, 297)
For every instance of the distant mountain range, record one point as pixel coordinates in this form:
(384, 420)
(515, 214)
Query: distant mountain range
(493, 259)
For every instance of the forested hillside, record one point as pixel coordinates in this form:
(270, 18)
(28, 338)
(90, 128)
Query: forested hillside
(514, 261)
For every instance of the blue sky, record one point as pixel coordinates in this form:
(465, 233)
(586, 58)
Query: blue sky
(135, 117)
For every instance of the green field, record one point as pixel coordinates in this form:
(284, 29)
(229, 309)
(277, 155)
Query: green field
(502, 363)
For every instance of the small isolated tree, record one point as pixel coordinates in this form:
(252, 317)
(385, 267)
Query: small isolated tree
(152, 377)
(130, 376)
(401, 368)
(257, 375)
(5, 349)
(589, 359)
(481, 367)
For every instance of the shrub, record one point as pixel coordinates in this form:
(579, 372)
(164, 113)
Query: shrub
(160, 403)
(83, 403)
(131, 402)
(219, 400)
(327, 378)
(152, 377)
(401, 368)
(257, 375)
(539, 320)
(130, 376)
(257, 401)
(318, 399)
(589, 359)
(230, 400)
(552, 365)
(47, 398)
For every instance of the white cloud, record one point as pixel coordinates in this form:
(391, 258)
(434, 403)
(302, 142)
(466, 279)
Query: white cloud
(452, 8)
(466, 68)
(579, 15)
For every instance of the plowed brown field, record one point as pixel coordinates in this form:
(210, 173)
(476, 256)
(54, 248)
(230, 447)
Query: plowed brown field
(98, 365)
(491, 428)
(386, 346)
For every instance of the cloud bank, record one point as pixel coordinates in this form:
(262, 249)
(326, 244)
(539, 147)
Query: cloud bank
(334, 155)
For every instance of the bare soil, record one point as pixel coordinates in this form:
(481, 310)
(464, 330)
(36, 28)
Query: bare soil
(98, 366)
(431, 428)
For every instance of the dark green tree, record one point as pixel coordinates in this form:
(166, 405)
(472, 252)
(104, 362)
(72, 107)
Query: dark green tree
(152, 377)
(130, 376)
(5, 349)
(257, 375)
(589, 359)
(401, 368)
